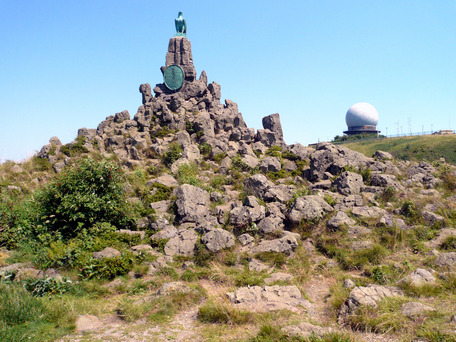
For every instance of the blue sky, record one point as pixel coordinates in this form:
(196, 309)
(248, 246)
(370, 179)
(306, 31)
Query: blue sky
(69, 64)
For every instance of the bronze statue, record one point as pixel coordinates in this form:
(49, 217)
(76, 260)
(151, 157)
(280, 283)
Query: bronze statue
(181, 25)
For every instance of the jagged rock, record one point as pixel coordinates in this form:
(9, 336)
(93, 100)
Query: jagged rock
(323, 185)
(385, 181)
(270, 225)
(308, 208)
(368, 212)
(122, 116)
(432, 218)
(381, 155)
(146, 92)
(247, 214)
(180, 53)
(367, 295)
(270, 164)
(329, 159)
(215, 90)
(268, 298)
(108, 252)
(192, 203)
(58, 167)
(161, 206)
(300, 151)
(28, 272)
(360, 245)
(443, 235)
(258, 266)
(218, 239)
(166, 233)
(349, 284)
(349, 183)
(272, 135)
(285, 244)
(339, 220)
(250, 161)
(182, 244)
(446, 259)
(419, 277)
(278, 276)
(85, 323)
(349, 202)
(306, 330)
(245, 239)
(413, 309)
(173, 287)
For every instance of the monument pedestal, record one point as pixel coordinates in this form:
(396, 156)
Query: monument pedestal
(180, 53)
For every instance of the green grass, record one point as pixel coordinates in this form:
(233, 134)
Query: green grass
(24, 317)
(424, 147)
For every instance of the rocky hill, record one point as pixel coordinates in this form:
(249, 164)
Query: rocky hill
(221, 232)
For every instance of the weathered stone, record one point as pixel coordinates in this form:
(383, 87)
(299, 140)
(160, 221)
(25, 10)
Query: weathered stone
(285, 244)
(360, 245)
(28, 272)
(215, 90)
(245, 239)
(192, 203)
(166, 233)
(308, 208)
(87, 323)
(278, 276)
(432, 218)
(419, 277)
(182, 244)
(330, 159)
(122, 116)
(270, 164)
(146, 92)
(414, 309)
(349, 284)
(270, 225)
(446, 259)
(381, 155)
(218, 239)
(369, 295)
(258, 266)
(247, 214)
(108, 252)
(349, 183)
(339, 220)
(368, 212)
(268, 298)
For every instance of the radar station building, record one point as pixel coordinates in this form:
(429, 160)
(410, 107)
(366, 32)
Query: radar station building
(361, 118)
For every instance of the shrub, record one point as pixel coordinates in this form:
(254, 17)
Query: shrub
(449, 243)
(76, 148)
(87, 193)
(410, 210)
(107, 268)
(47, 286)
(174, 153)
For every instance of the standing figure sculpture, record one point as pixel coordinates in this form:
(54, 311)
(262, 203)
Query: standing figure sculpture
(181, 25)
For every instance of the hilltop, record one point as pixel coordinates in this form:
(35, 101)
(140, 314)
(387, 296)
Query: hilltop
(182, 223)
(417, 148)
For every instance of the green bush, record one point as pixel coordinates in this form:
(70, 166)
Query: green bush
(47, 286)
(87, 193)
(107, 268)
(76, 148)
(449, 243)
(174, 153)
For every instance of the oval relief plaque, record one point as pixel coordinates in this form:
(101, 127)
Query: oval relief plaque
(174, 77)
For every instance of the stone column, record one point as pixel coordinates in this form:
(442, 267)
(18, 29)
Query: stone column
(180, 53)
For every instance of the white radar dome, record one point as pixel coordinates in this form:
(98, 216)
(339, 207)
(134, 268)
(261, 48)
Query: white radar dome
(361, 114)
